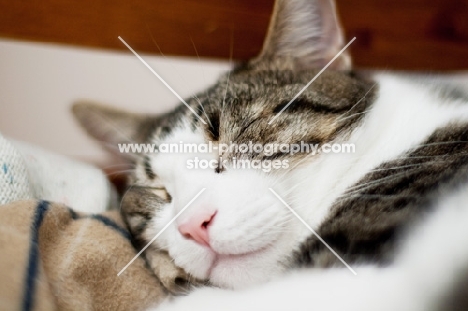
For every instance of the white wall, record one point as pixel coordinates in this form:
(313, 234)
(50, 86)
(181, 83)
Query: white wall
(39, 82)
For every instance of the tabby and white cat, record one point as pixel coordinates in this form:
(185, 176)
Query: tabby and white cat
(410, 155)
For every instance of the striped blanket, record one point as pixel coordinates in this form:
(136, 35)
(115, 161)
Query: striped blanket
(52, 258)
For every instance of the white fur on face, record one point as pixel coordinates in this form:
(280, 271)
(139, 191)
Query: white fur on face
(251, 232)
(431, 262)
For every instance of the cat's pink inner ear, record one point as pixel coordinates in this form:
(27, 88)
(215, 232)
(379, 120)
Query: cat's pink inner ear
(307, 31)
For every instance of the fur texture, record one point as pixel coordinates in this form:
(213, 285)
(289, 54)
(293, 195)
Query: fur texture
(410, 141)
(428, 275)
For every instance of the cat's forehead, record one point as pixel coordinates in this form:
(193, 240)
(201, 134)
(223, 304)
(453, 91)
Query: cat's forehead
(242, 104)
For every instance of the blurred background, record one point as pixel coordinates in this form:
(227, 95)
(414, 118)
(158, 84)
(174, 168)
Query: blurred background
(53, 52)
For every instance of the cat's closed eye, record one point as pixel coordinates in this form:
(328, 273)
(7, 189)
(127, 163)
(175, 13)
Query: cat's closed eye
(213, 125)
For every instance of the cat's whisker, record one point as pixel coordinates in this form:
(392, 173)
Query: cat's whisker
(391, 177)
(332, 191)
(231, 50)
(364, 186)
(181, 77)
(120, 172)
(416, 165)
(430, 156)
(119, 165)
(444, 143)
(203, 109)
(194, 96)
(307, 157)
(199, 60)
(226, 89)
(407, 166)
(380, 196)
(123, 196)
(112, 147)
(114, 127)
(370, 89)
(355, 114)
(117, 169)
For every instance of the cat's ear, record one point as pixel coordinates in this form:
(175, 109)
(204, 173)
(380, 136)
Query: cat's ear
(307, 32)
(108, 125)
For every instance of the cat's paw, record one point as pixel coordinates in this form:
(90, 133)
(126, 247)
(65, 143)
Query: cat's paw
(173, 278)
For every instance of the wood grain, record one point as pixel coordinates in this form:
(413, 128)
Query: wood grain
(148, 26)
(411, 34)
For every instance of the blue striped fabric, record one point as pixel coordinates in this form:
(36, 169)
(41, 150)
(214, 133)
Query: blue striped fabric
(33, 261)
(104, 220)
(110, 223)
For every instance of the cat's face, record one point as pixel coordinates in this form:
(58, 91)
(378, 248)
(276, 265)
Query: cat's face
(237, 231)
(248, 229)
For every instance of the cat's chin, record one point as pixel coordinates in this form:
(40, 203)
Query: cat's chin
(229, 270)
(240, 270)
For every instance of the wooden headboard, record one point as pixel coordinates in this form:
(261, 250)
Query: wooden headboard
(405, 34)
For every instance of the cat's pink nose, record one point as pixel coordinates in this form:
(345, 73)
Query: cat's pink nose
(196, 228)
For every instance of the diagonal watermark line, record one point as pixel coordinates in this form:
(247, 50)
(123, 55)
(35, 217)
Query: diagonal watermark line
(161, 79)
(313, 231)
(159, 233)
(311, 81)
